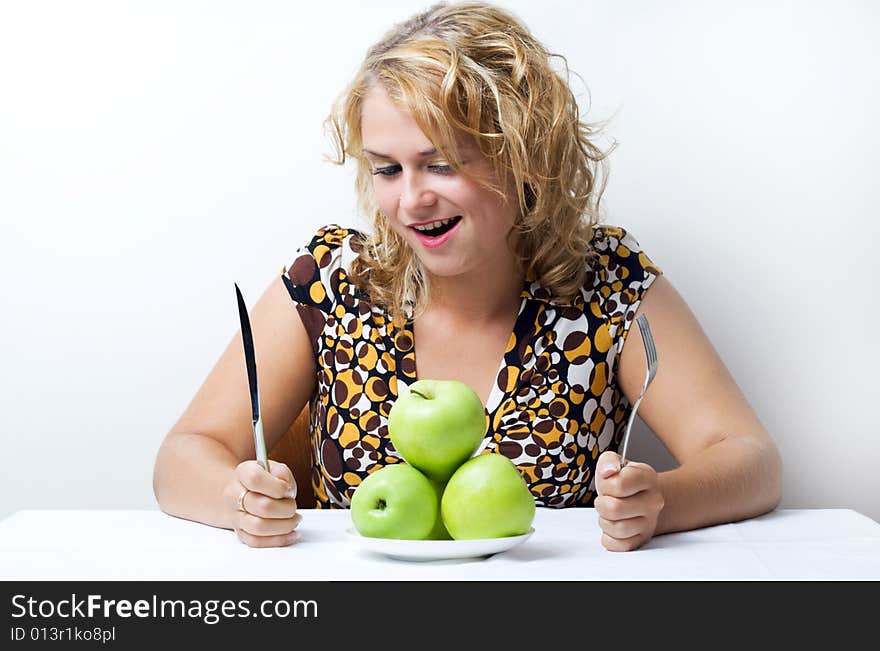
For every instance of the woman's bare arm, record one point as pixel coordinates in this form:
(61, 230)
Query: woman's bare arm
(195, 475)
(730, 468)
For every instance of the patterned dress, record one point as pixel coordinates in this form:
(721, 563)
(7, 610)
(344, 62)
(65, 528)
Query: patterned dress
(556, 404)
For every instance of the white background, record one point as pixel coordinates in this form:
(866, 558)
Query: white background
(154, 153)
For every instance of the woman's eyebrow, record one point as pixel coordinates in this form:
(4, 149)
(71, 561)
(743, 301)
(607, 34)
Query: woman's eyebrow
(427, 152)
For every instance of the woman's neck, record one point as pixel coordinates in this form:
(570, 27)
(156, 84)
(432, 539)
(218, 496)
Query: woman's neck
(481, 296)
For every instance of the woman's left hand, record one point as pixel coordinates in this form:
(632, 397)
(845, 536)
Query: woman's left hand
(629, 502)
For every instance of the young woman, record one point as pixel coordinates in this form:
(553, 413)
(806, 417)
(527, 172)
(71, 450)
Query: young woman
(487, 264)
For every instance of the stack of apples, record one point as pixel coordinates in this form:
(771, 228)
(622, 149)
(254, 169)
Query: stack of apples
(442, 491)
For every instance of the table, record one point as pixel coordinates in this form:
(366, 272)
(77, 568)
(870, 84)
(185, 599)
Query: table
(83, 545)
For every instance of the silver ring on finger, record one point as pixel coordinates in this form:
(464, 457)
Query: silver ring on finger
(240, 501)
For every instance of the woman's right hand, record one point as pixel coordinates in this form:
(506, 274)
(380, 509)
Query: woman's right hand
(264, 504)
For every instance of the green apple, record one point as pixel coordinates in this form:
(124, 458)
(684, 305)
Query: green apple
(396, 501)
(436, 425)
(487, 497)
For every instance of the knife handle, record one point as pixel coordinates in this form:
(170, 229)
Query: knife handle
(260, 444)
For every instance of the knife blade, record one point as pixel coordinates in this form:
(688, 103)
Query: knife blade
(250, 361)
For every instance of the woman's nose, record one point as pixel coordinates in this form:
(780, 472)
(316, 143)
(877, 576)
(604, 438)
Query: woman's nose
(416, 194)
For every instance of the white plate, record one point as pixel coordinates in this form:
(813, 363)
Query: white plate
(434, 550)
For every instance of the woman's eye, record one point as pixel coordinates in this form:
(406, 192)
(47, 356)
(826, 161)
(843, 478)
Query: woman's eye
(393, 170)
(388, 170)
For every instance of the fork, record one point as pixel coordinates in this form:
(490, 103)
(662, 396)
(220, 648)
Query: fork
(650, 372)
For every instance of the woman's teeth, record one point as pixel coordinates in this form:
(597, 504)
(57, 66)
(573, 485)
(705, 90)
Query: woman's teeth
(438, 227)
(426, 228)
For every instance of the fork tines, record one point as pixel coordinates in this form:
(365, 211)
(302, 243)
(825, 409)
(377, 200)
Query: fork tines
(648, 340)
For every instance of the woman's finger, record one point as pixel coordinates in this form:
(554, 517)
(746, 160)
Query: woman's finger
(623, 508)
(282, 471)
(253, 477)
(257, 526)
(622, 529)
(267, 541)
(621, 545)
(268, 507)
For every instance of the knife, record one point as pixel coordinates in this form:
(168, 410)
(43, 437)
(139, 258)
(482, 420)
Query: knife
(251, 364)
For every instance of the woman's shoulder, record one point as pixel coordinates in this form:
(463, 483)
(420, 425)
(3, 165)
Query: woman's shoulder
(331, 237)
(619, 255)
(329, 247)
(615, 241)
(618, 275)
(319, 267)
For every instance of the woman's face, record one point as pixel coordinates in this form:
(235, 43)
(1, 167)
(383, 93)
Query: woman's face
(454, 224)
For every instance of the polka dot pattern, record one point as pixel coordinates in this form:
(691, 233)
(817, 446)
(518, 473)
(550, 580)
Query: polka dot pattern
(555, 407)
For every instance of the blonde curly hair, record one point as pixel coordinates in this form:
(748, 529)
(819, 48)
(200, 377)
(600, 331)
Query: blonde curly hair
(473, 69)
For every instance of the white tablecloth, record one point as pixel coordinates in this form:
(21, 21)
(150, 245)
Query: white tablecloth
(834, 544)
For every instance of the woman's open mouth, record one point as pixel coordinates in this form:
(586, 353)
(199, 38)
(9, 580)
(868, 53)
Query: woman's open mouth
(437, 233)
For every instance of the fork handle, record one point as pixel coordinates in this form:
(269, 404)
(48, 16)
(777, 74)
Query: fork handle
(629, 422)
